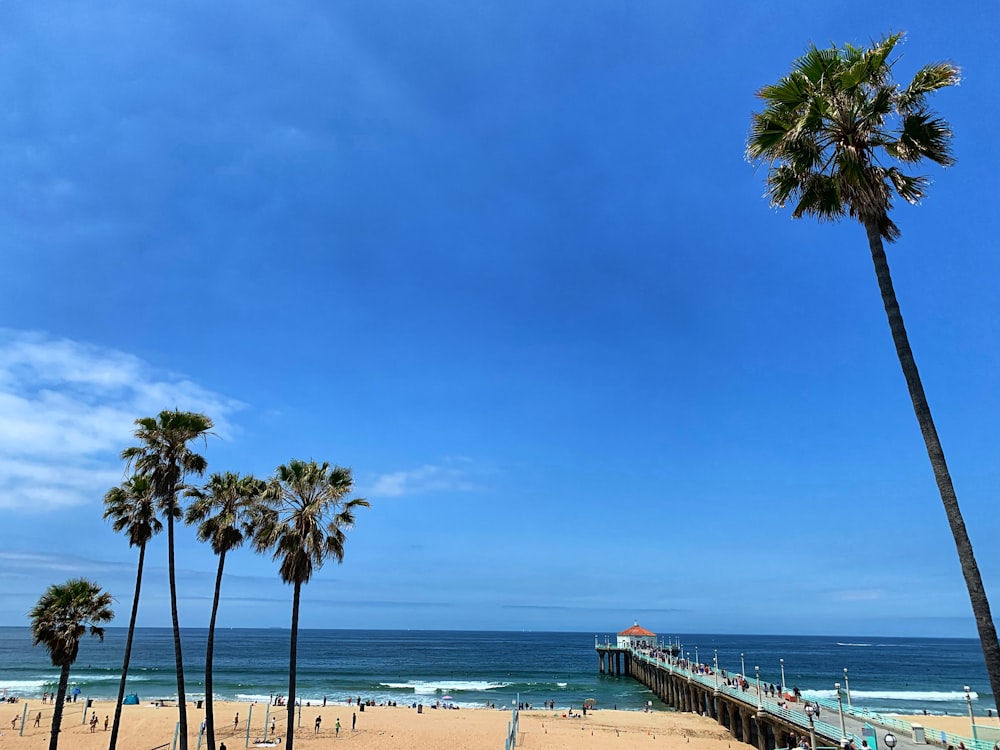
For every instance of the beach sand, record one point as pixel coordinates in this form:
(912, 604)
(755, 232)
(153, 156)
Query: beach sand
(145, 727)
(959, 725)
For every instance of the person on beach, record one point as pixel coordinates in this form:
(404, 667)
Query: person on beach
(318, 720)
(38, 719)
(354, 721)
(236, 721)
(336, 728)
(222, 746)
(272, 726)
(13, 722)
(105, 722)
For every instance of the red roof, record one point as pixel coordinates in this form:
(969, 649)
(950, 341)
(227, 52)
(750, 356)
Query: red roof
(636, 630)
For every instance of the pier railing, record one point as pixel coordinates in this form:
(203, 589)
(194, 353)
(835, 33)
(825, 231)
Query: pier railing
(831, 707)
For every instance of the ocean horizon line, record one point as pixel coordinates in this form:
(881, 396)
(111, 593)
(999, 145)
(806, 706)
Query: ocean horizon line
(852, 640)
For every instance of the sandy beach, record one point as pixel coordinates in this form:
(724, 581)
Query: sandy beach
(145, 727)
(959, 725)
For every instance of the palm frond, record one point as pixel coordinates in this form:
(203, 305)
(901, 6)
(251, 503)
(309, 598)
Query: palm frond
(910, 188)
(928, 79)
(924, 136)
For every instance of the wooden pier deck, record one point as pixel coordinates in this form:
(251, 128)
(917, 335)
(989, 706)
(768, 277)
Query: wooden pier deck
(762, 721)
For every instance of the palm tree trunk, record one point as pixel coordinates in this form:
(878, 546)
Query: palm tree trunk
(178, 657)
(128, 650)
(292, 656)
(970, 569)
(57, 712)
(209, 709)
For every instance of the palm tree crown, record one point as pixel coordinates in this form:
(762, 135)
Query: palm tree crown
(131, 508)
(64, 614)
(833, 128)
(164, 455)
(235, 502)
(308, 518)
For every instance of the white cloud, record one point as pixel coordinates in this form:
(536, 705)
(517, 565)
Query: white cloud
(68, 408)
(427, 478)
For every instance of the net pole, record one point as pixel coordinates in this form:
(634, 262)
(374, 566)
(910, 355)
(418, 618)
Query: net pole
(24, 716)
(249, 719)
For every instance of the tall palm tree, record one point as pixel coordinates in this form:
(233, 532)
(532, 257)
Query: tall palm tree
(165, 458)
(306, 525)
(837, 133)
(227, 510)
(131, 508)
(59, 620)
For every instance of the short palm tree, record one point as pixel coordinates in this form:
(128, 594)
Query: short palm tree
(304, 528)
(227, 510)
(58, 621)
(164, 456)
(837, 133)
(131, 508)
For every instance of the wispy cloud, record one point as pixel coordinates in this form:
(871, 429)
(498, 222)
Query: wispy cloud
(68, 408)
(454, 476)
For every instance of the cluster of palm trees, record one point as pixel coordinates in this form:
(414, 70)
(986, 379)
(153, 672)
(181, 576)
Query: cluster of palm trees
(839, 137)
(299, 515)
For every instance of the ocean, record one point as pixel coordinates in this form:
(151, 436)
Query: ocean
(887, 675)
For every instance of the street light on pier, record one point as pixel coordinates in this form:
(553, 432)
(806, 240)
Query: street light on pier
(811, 712)
(847, 687)
(696, 660)
(782, 662)
(890, 740)
(840, 707)
(715, 665)
(743, 667)
(972, 718)
(760, 697)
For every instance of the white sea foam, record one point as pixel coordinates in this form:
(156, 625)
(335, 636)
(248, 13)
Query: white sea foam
(19, 686)
(929, 696)
(561, 684)
(422, 687)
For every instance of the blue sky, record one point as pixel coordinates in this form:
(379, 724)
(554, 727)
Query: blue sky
(506, 261)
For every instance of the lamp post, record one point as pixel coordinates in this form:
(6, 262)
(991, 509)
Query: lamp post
(697, 661)
(811, 712)
(715, 668)
(743, 667)
(760, 697)
(972, 718)
(782, 662)
(847, 687)
(840, 707)
(890, 740)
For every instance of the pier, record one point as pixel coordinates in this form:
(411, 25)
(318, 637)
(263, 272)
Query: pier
(750, 713)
